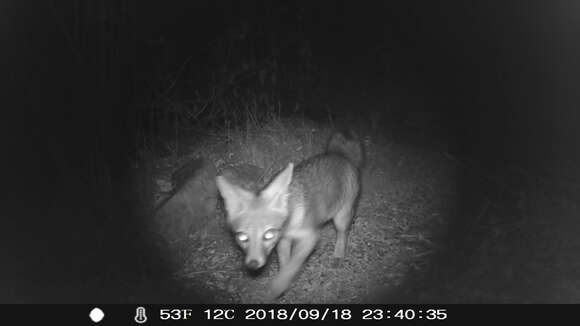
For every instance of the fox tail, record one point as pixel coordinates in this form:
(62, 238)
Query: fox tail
(350, 147)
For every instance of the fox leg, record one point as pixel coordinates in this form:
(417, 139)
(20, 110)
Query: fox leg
(284, 249)
(303, 247)
(342, 222)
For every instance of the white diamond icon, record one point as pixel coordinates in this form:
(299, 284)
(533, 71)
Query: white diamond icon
(97, 315)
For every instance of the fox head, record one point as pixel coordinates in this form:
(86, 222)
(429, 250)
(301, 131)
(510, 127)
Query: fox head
(257, 219)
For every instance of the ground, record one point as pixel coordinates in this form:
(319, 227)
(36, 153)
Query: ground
(429, 227)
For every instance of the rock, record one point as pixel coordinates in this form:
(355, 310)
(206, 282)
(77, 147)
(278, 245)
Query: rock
(247, 176)
(192, 203)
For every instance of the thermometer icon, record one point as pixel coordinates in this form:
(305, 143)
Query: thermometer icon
(140, 316)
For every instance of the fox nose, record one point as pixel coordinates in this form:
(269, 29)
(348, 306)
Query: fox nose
(253, 264)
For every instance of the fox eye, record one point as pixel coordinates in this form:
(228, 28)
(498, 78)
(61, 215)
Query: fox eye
(242, 237)
(270, 234)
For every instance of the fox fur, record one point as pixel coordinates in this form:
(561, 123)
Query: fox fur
(288, 213)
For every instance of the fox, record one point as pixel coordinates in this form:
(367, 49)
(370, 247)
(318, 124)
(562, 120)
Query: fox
(289, 212)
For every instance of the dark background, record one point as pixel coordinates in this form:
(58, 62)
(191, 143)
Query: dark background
(502, 76)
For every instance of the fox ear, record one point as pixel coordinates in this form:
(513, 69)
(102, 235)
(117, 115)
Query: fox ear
(235, 198)
(277, 191)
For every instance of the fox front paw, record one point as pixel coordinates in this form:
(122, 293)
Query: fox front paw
(278, 287)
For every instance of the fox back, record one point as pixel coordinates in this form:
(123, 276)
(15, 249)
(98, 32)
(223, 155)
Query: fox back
(320, 187)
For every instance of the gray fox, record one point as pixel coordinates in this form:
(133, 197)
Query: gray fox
(289, 212)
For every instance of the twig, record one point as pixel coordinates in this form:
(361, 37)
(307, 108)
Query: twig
(176, 76)
(63, 29)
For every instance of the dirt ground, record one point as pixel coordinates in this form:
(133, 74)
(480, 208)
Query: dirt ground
(403, 201)
(429, 228)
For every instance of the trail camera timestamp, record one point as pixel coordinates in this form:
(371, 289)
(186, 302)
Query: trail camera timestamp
(326, 313)
(404, 314)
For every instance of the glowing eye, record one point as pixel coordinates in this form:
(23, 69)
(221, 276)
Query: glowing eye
(269, 235)
(242, 237)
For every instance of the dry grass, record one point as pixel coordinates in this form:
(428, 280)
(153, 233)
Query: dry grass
(427, 229)
(389, 237)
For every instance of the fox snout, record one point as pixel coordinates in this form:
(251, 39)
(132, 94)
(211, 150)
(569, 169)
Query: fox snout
(254, 263)
(256, 252)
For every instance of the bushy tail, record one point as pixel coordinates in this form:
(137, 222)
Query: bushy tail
(350, 147)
